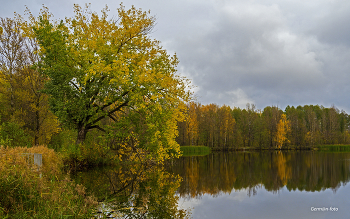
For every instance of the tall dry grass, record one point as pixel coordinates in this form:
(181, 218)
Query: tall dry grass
(47, 192)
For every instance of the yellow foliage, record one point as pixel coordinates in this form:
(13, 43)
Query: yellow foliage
(20, 86)
(284, 170)
(51, 162)
(111, 66)
(192, 123)
(39, 191)
(283, 127)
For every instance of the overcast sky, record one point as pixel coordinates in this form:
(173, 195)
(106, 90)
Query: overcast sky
(263, 52)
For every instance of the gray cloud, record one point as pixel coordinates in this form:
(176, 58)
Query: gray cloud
(333, 26)
(265, 52)
(251, 52)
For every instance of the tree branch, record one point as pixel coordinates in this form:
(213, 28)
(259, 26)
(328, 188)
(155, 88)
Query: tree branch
(111, 112)
(110, 103)
(74, 85)
(97, 127)
(112, 117)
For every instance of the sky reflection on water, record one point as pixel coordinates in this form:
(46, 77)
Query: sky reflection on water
(265, 204)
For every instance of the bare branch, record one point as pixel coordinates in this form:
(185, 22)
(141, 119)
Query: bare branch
(74, 85)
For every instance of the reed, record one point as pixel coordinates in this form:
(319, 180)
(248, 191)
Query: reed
(194, 150)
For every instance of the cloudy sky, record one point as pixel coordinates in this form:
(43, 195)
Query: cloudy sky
(263, 52)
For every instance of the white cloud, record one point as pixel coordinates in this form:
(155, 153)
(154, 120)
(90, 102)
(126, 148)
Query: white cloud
(238, 98)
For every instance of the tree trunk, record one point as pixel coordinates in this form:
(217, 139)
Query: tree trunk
(82, 131)
(37, 128)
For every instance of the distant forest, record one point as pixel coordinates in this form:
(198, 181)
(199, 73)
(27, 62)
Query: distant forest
(226, 128)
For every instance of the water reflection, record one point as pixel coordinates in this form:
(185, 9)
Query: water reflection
(228, 185)
(135, 191)
(265, 184)
(223, 172)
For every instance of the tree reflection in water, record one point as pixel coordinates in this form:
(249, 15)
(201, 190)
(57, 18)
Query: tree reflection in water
(151, 191)
(225, 172)
(135, 191)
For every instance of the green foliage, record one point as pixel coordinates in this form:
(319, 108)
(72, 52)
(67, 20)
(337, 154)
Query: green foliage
(100, 69)
(194, 150)
(21, 101)
(12, 135)
(63, 139)
(89, 155)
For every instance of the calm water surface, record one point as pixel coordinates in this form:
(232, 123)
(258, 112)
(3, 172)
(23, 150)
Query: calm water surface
(301, 184)
(265, 185)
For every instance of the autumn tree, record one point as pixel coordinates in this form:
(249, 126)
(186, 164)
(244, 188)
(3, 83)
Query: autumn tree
(226, 126)
(283, 127)
(20, 84)
(192, 123)
(212, 125)
(271, 116)
(312, 115)
(249, 116)
(103, 68)
(297, 125)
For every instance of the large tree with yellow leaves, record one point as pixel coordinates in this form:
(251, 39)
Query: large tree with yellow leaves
(102, 68)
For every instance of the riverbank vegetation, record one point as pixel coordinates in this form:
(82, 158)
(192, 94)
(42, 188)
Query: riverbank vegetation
(30, 191)
(226, 128)
(194, 150)
(334, 148)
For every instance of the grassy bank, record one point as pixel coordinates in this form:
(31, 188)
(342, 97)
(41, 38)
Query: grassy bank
(333, 148)
(46, 192)
(194, 150)
(285, 148)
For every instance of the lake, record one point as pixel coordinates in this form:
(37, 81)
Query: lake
(298, 184)
(269, 184)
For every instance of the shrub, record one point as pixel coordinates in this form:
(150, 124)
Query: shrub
(88, 155)
(11, 134)
(63, 139)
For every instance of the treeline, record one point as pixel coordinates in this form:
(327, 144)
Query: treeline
(226, 128)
